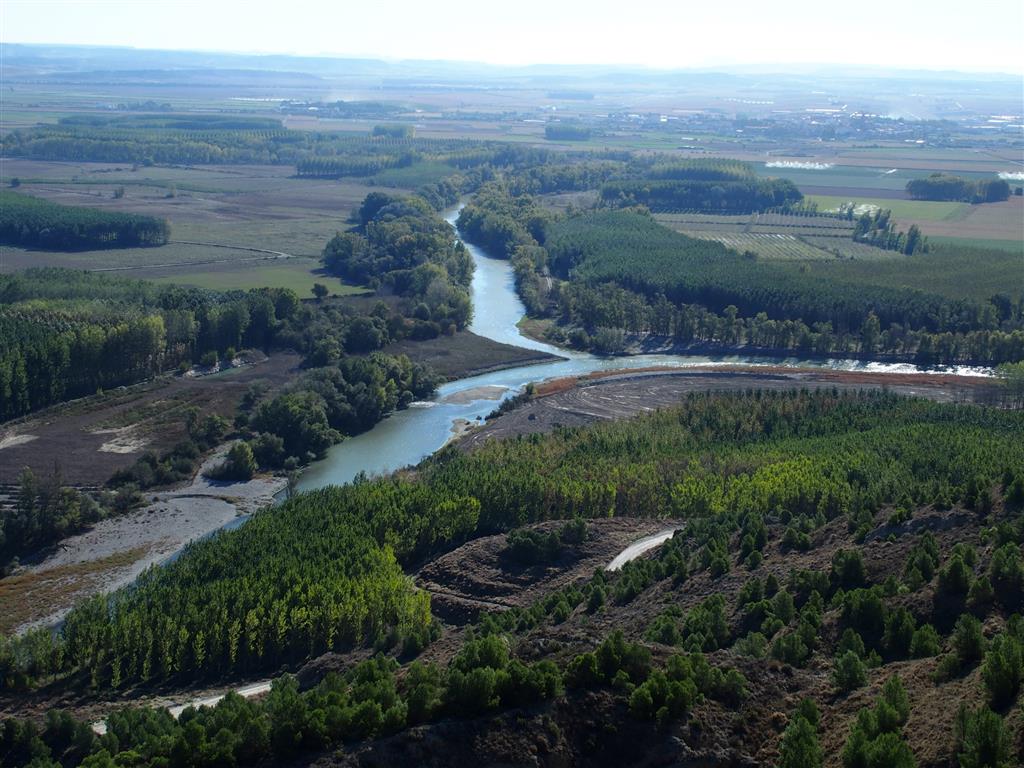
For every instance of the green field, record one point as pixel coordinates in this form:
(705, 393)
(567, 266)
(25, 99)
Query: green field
(1013, 246)
(297, 274)
(972, 274)
(416, 175)
(919, 210)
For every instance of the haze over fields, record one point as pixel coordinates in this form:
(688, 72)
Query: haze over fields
(546, 384)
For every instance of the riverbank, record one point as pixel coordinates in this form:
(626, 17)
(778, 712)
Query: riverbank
(112, 553)
(466, 355)
(635, 345)
(574, 401)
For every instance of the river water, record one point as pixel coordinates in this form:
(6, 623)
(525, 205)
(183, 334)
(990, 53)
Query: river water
(408, 436)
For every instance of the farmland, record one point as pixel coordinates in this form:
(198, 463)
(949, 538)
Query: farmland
(829, 539)
(215, 214)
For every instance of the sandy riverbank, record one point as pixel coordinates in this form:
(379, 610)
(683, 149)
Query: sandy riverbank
(115, 551)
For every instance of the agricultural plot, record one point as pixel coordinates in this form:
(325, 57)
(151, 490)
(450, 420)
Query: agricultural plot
(298, 274)
(781, 237)
(988, 225)
(916, 210)
(231, 222)
(775, 246)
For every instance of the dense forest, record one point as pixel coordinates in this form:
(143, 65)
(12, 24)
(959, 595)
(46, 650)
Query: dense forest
(64, 334)
(30, 222)
(668, 195)
(402, 244)
(620, 272)
(944, 186)
(814, 456)
(747, 474)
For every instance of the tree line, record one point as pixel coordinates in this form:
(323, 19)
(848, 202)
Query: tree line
(64, 334)
(944, 186)
(30, 222)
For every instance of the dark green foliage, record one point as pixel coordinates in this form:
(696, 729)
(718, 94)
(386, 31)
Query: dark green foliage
(943, 186)
(968, 647)
(982, 740)
(44, 511)
(1003, 669)
(849, 673)
(65, 334)
(954, 579)
(925, 642)
(30, 222)
(566, 132)
(799, 747)
(1006, 571)
(530, 547)
(676, 193)
(404, 245)
(880, 230)
(848, 569)
(240, 464)
(875, 740)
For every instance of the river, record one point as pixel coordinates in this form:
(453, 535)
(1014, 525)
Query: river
(406, 437)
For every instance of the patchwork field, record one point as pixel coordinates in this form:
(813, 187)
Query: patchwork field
(229, 224)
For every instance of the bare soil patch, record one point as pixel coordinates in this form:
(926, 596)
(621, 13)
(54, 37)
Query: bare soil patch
(575, 401)
(465, 354)
(478, 576)
(91, 438)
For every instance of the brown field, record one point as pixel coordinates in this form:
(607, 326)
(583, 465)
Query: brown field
(91, 438)
(991, 221)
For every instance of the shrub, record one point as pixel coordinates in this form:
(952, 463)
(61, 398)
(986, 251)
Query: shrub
(1007, 574)
(1002, 669)
(955, 578)
(790, 649)
(925, 643)
(968, 642)
(899, 632)
(849, 673)
(799, 747)
(848, 570)
(982, 740)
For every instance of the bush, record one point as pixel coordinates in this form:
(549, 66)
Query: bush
(968, 642)
(799, 747)
(982, 740)
(875, 740)
(790, 649)
(848, 570)
(849, 673)
(1002, 669)
(1007, 574)
(899, 632)
(926, 642)
(955, 578)
(240, 464)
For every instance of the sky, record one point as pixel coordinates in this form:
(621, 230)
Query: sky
(983, 35)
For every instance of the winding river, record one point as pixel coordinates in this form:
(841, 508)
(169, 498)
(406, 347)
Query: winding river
(408, 436)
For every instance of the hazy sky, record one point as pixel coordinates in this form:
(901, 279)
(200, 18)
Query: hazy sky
(928, 34)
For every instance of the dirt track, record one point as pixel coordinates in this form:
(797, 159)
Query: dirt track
(575, 402)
